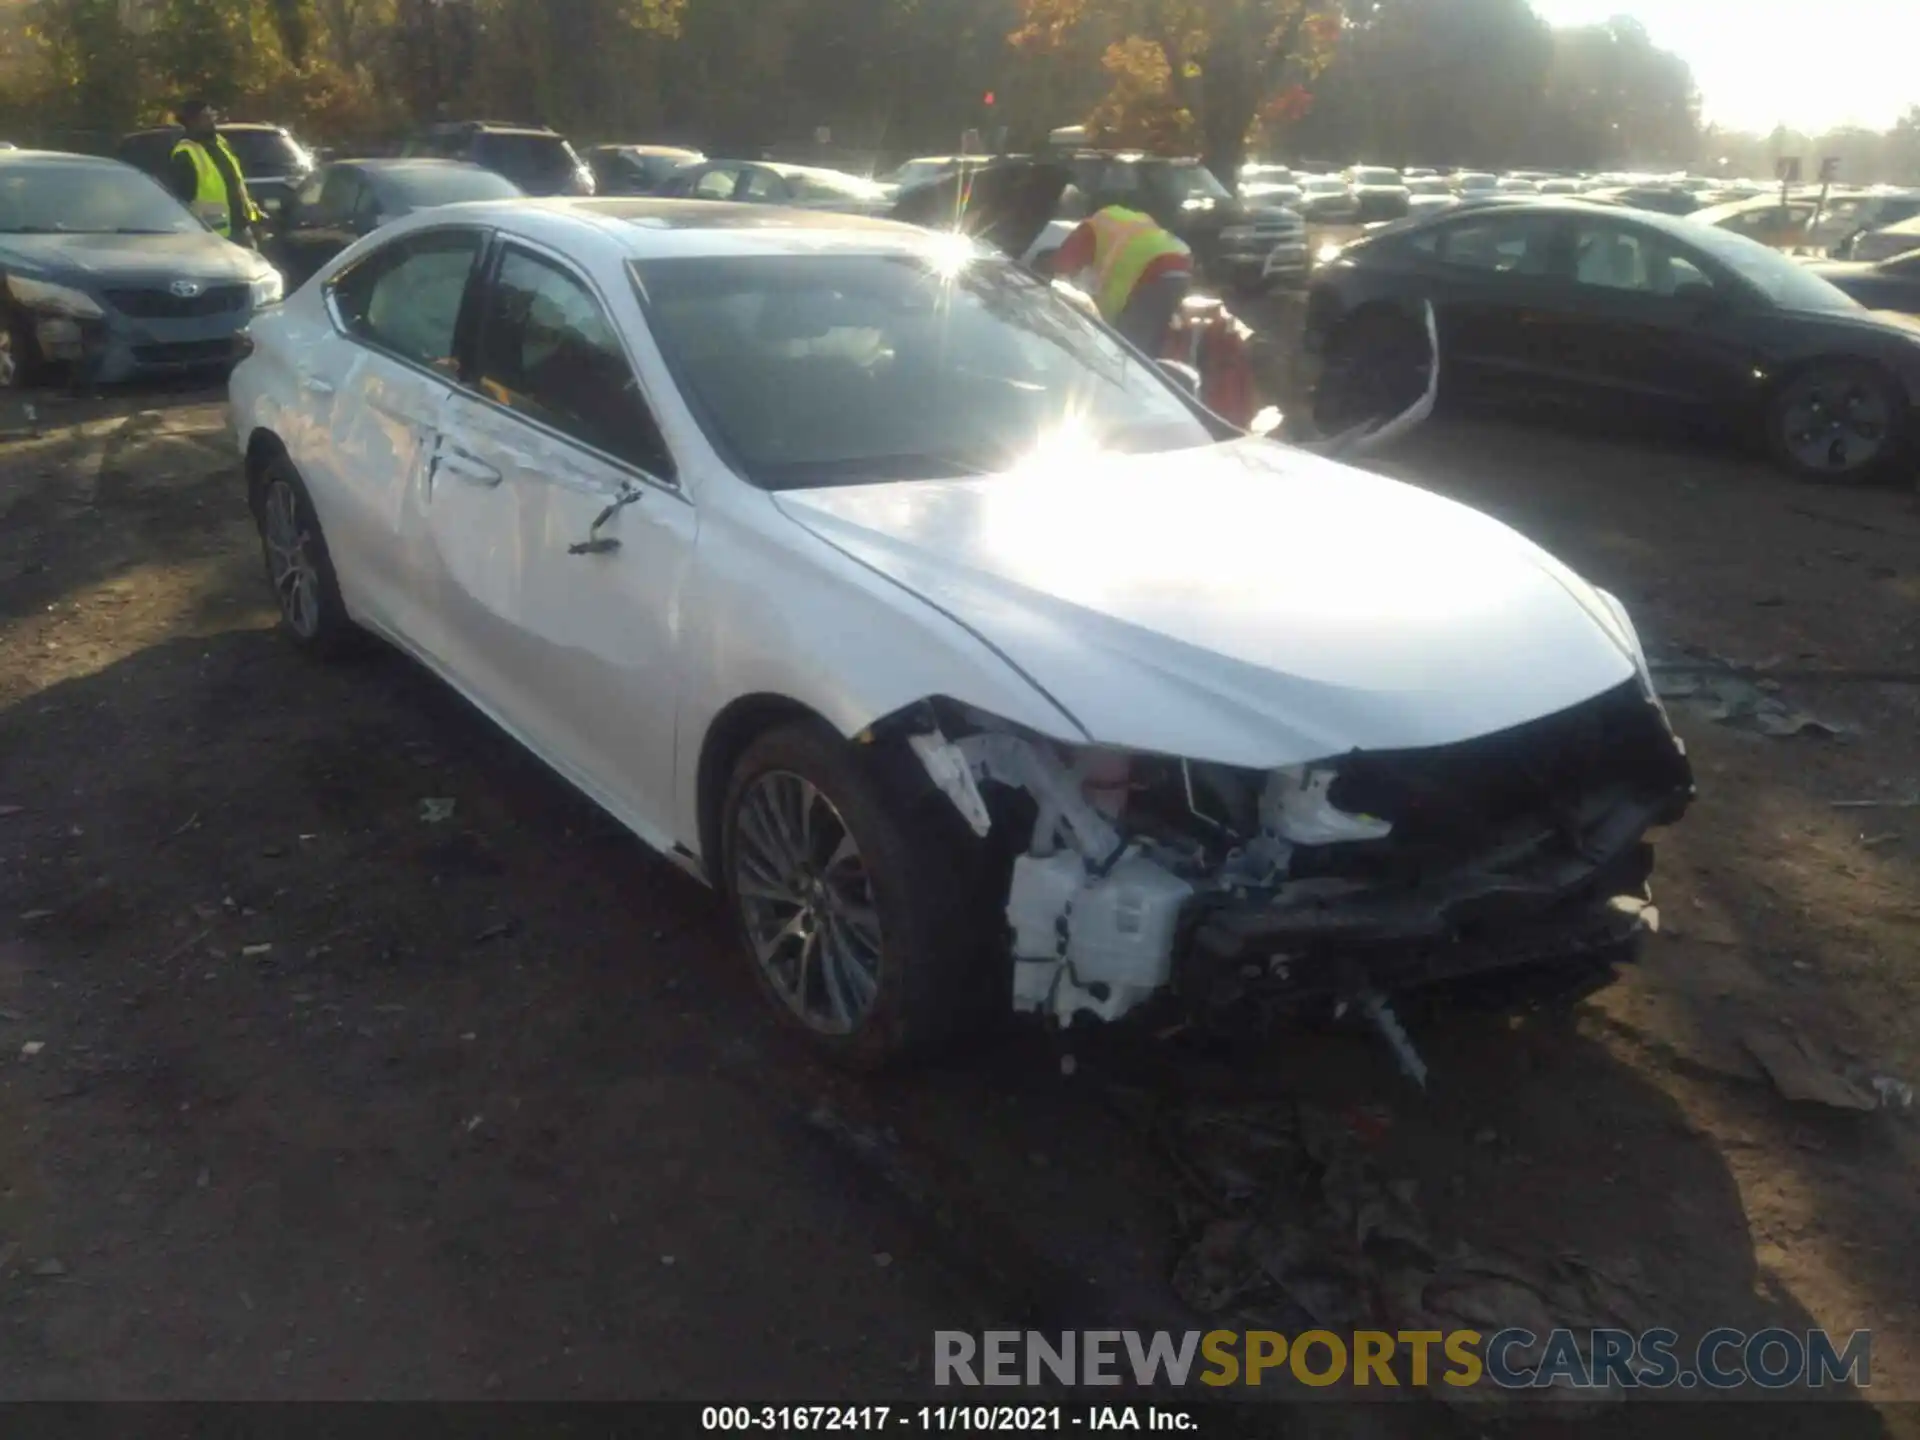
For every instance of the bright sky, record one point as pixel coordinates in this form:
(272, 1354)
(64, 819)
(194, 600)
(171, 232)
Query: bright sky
(1810, 64)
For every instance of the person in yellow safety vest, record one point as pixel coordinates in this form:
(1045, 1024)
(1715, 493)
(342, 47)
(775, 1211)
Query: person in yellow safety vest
(1138, 272)
(205, 174)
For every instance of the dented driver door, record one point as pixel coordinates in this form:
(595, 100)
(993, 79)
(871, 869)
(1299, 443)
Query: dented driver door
(560, 540)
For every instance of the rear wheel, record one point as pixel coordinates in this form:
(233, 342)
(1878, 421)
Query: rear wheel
(1377, 367)
(1835, 420)
(854, 907)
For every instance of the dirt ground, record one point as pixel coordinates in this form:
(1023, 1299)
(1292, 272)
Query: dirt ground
(305, 1095)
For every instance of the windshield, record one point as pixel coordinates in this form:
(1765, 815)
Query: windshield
(1429, 187)
(266, 153)
(828, 185)
(86, 199)
(1369, 175)
(429, 185)
(1477, 182)
(1322, 185)
(810, 370)
(1190, 181)
(1785, 282)
(918, 172)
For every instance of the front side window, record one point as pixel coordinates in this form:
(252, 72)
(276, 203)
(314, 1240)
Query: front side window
(1613, 257)
(406, 297)
(764, 187)
(827, 369)
(548, 351)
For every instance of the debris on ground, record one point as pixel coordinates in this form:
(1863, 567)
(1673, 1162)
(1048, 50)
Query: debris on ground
(49, 1269)
(31, 1049)
(7, 812)
(437, 812)
(1802, 1077)
(1894, 1094)
(1742, 705)
(1295, 1225)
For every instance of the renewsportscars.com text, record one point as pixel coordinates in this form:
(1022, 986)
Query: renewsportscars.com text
(1514, 1359)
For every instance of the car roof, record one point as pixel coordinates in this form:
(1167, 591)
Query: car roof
(1680, 227)
(646, 228)
(670, 151)
(223, 125)
(388, 164)
(487, 127)
(62, 157)
(1714, 214)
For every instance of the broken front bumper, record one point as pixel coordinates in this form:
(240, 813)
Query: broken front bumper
(1394, 942)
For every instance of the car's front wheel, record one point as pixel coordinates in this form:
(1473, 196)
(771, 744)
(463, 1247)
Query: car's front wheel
(1836, 420)
(20, 364)
(853, 905)
(299, 567)
(1378, 365)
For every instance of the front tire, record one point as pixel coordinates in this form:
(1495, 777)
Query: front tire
(855, 908)
(299, 567)
(1836, 420)
(20, 363)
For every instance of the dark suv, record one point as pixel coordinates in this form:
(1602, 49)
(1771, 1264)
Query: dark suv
(1233, 242)
(272, 162)
(538, 160)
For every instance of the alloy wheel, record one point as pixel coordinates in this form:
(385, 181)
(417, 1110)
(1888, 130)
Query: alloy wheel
(296, 580)
(806, 901)
(1835, 422)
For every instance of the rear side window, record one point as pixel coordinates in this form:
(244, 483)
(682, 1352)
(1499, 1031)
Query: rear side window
(549, 351)
(406, 298)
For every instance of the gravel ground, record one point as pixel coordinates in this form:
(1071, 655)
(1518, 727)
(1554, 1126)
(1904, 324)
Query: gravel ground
(304, 1096)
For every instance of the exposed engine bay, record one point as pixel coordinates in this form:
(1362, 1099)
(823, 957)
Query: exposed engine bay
(1344, 881)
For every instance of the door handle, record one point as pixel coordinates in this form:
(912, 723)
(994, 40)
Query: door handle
(462, 466)
(314, 384)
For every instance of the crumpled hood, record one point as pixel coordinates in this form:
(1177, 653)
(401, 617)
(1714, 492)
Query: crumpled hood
(196, 255)
(1245, 603)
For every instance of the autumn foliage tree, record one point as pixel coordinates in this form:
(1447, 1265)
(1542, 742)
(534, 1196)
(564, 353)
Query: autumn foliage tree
(1198, 74)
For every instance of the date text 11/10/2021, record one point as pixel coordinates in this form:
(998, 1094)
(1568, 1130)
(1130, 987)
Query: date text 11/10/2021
(938, 1419)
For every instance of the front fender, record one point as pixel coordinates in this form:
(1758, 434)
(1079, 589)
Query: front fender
(774, 610)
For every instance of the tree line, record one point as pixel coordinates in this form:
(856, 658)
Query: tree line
(1435, 82)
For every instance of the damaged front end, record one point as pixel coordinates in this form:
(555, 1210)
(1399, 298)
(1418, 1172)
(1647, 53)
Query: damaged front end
(1345, 882)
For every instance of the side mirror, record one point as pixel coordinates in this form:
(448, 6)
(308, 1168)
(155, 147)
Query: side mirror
(1181, 374)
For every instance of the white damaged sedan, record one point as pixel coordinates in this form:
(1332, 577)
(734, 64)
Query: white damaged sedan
(864, 576)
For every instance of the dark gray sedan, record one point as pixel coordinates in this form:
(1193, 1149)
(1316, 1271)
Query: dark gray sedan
(349, 198)
(102, 270)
